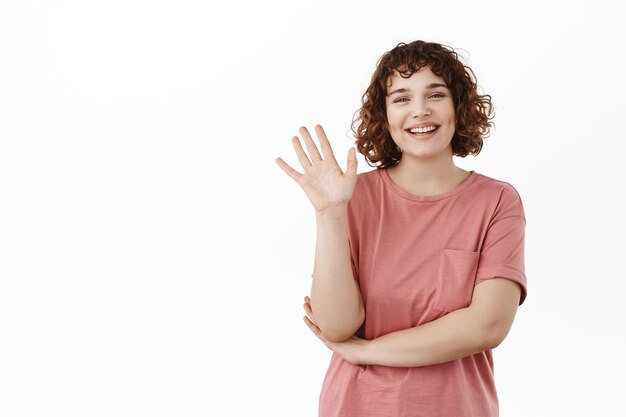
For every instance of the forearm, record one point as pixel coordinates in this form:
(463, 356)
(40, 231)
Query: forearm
(458, 334)
(335, 298)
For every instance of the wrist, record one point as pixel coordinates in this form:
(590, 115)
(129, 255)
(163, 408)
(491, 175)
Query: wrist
(365, 353)
(333, 212)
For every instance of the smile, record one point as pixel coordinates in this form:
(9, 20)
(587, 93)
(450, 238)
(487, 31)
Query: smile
(423, 135)
(422, 129)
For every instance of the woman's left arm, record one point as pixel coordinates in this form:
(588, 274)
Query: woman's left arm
(481, 326)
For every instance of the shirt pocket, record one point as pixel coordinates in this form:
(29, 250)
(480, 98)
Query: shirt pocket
(455, 279)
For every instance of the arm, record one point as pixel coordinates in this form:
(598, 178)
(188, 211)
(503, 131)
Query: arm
(335, 295)
(481, 326)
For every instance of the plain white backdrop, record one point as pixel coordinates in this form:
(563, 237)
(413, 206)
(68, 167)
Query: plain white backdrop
(154, 258)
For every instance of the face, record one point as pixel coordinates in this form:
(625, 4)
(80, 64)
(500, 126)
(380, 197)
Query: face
(421, 101)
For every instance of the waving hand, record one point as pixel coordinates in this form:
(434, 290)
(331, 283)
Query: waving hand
(323, 181)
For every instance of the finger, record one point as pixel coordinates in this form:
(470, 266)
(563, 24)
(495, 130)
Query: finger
(327, 150)
(302, 157)
(352, 163)
(307, 308)
(310, 145)
(309, 312)
(316, 330)
(289, 170)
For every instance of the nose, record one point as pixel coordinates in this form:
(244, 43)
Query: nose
(420, 108)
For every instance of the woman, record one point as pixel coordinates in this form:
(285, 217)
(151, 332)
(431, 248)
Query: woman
(419, 264)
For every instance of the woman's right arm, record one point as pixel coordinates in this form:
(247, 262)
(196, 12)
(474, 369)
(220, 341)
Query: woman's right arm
(336, 300)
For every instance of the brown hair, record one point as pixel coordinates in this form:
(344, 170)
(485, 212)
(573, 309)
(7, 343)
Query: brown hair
(473, 111)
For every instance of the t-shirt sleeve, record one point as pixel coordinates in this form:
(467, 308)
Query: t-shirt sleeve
(502, 252)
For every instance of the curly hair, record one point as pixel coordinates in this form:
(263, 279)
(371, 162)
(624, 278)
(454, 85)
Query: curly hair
(473, 111)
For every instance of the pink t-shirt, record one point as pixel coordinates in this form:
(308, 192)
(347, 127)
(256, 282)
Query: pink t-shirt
(416, 259)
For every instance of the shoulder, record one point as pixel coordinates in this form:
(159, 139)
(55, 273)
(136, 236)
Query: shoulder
(498, 188)
(368, 176)
(366, 191)
(496, 185)
(367, 181)
(508, 201)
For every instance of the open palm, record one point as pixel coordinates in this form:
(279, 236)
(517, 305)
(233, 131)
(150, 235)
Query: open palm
(323, 181)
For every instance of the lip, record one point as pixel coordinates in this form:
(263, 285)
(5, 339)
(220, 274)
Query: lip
(423, 136)
(423, 124)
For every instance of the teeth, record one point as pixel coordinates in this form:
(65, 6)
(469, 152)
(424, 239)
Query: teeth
(422, 129)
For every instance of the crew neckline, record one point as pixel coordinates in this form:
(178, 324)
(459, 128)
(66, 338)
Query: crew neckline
(382, 172)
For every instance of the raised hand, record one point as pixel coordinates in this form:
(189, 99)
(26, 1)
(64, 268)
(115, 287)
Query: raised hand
(323, 181)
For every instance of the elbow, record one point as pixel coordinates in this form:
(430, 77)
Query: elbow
(335, 337)
(341, 335)
(493, 336)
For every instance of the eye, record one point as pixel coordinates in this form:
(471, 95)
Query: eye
(435, 95)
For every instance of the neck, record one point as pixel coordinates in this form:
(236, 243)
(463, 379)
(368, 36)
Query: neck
(427, 176)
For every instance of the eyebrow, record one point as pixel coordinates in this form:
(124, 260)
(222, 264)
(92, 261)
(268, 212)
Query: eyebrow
(404, 90)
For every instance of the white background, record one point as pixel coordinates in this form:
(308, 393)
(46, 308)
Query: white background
(154, 258)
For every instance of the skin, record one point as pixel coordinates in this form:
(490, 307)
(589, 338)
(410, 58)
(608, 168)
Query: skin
(324, 183)
(335, 295)
(351, 350)
(467, 331)
(427, 168)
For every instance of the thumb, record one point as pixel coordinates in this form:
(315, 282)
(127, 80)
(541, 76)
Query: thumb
(352, 162)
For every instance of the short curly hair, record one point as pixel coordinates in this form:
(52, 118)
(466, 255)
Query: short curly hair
(473, 111)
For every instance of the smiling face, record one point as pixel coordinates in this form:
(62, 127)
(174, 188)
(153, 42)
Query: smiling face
(422, 100)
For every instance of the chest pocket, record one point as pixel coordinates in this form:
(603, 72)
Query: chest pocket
(455, 279)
